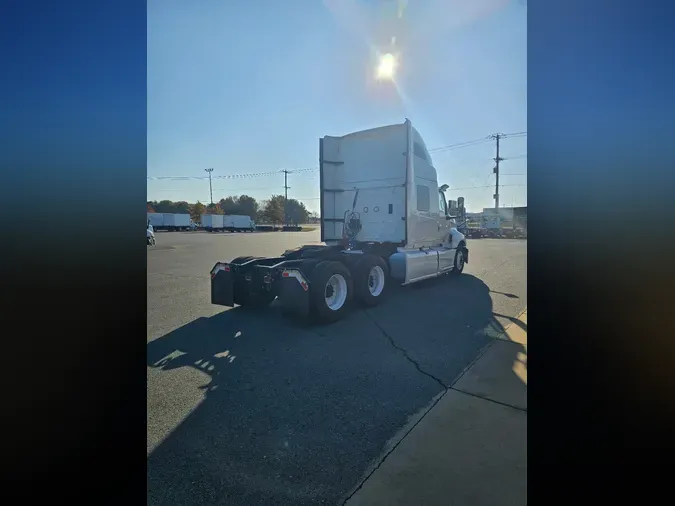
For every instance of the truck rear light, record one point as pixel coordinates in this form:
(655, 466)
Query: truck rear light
(218, 268)
(297, 275)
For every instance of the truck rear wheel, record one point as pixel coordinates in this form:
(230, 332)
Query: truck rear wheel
(370, 280)
(330, 291)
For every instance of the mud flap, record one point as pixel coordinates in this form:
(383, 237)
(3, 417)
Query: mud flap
(466, 256)
(222, 287)
(294, 298)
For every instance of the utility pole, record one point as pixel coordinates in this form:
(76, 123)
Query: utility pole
(210, 187)
(496, 170)
(286, 187)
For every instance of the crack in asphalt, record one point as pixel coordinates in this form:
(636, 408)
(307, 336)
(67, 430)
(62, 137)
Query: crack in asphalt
(384, 457)
(505, 404)
(405, 352)
(446, 389)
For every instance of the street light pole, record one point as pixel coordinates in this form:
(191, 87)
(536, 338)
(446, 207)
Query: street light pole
(210, 187)
(496, 169)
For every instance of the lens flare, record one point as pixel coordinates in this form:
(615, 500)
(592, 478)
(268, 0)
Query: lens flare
(387, 67)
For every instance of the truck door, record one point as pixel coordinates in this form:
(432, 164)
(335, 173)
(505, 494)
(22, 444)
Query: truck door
(443, 223)
(446, 255)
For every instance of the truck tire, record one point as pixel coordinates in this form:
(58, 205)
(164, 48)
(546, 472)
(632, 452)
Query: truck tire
(330, 291)
(370, 280)
(458, 264)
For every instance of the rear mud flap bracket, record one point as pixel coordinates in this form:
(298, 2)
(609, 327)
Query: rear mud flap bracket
(294, 296)
(222, 288)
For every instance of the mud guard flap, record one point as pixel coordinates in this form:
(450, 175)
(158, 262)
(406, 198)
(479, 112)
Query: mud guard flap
(222, 288)
(293, 297)
(466, 255)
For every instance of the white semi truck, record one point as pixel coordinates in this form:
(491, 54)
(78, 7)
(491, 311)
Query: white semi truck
(384, 219)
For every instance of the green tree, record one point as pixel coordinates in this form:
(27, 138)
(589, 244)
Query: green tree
(261, 217)
(164, 206)
(196, 211)
(214, 209)
(229, 205)
(247, 206)
(181, 207)
(296, 212)
(273, 211)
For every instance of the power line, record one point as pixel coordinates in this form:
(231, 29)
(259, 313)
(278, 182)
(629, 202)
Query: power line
(246, 189)
(228, 176)
(448, 190)
(200, 178)
(448, 147)
(486, 186)
(457, 145)
(475, 142)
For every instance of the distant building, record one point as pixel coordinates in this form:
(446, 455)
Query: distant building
(506, 213)
(510, 216)
(520, 217)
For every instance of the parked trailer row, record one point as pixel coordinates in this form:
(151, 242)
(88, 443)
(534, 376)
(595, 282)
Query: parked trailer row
(171, 222)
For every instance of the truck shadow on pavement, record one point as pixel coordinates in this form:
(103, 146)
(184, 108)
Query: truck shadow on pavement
(294, 414)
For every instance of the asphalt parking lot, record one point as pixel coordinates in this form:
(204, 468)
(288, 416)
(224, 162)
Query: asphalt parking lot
(251, 408)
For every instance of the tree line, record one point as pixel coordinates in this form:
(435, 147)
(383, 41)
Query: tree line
(267, 211)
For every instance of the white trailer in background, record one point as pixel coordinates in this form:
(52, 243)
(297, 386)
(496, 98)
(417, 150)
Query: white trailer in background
(491, 221)
(213, 222)
(156, 220)
(176, 222)
(170, 221)
(238, 223)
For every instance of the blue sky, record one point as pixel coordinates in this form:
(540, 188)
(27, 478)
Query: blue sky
(250, 87)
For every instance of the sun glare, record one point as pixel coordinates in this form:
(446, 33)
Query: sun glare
(387, 67)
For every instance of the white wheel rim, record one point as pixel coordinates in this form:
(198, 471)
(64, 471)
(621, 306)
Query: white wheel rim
(459, 262)
(335, 292)
(376, 281)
